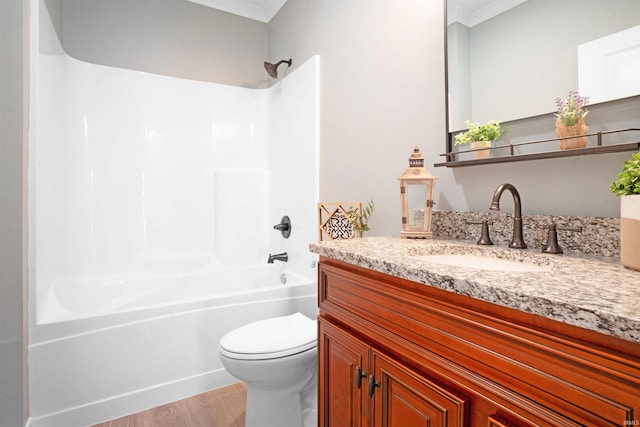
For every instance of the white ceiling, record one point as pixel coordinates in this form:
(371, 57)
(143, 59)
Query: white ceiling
(473, 12)
(259, 10)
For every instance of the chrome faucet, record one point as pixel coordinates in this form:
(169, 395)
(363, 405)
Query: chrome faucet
(278, 257)
(517, 242)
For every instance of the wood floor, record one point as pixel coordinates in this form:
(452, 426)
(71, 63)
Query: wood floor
(223, 407)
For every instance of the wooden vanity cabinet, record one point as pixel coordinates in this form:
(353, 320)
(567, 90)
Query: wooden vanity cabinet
(397, 353)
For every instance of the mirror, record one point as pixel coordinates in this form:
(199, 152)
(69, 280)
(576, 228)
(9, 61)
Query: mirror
(510, 59)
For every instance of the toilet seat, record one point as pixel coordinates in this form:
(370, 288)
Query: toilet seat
(271, 338)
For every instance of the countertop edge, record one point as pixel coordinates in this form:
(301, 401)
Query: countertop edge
(605, 319)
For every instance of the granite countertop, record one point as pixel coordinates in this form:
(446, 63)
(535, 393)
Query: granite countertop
(596, 293)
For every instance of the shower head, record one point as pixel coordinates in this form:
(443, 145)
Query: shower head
(272, 70)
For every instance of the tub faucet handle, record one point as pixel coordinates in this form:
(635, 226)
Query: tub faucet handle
(284, 227)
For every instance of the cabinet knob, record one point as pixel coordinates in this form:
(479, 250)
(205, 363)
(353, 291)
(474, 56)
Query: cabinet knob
(372, 385)
(359, 376)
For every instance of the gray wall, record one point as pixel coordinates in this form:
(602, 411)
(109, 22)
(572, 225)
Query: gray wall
(382, 85)
(171, 37)
(382, 92)
(12, 362)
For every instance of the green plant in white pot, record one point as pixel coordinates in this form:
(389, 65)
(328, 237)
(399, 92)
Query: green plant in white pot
(480, 136)
(627, 186)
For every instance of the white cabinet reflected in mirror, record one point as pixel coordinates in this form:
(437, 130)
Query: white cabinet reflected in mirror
(509, 59)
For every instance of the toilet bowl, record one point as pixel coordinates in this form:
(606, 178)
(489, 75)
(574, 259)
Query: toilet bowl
(277, 360)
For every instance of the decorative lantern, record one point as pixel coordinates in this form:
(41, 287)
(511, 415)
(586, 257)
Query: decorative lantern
(416, 196)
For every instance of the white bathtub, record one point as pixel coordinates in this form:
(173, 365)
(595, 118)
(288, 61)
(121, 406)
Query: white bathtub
(77, 298)
(112, 347)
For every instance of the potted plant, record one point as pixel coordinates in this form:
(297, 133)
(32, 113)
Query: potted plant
(570, 117)
(360, 221)
(627, 186)
(479, 136)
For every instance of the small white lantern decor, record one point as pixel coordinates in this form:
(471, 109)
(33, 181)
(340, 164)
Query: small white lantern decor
(416, 198)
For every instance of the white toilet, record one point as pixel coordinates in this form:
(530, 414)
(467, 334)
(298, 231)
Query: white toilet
(277, 360)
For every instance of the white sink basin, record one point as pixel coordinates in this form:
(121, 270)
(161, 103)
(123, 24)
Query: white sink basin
(482, 263)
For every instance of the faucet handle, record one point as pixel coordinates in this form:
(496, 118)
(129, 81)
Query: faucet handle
(484, 239)
(284, 227)
(552, 246)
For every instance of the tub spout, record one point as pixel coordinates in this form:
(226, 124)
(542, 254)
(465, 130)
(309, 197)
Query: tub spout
(517, 242)
(278, 257)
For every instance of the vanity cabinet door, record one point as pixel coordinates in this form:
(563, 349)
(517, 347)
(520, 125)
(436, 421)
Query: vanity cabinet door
(406, 398)
(360, 386)
(342, 374)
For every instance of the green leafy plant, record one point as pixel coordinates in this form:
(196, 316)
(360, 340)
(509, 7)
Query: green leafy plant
(571, 110)
(489, 131)
(628, 181)
(360, 221)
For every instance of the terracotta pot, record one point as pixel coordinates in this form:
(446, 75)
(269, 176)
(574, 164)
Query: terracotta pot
(630, 231)
(480, 153)
(563, 130)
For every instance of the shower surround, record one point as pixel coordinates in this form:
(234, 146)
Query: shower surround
(152, 205)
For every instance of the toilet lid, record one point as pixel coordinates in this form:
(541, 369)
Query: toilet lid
(271, 338)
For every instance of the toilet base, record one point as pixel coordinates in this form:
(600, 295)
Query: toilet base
(270, 408)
